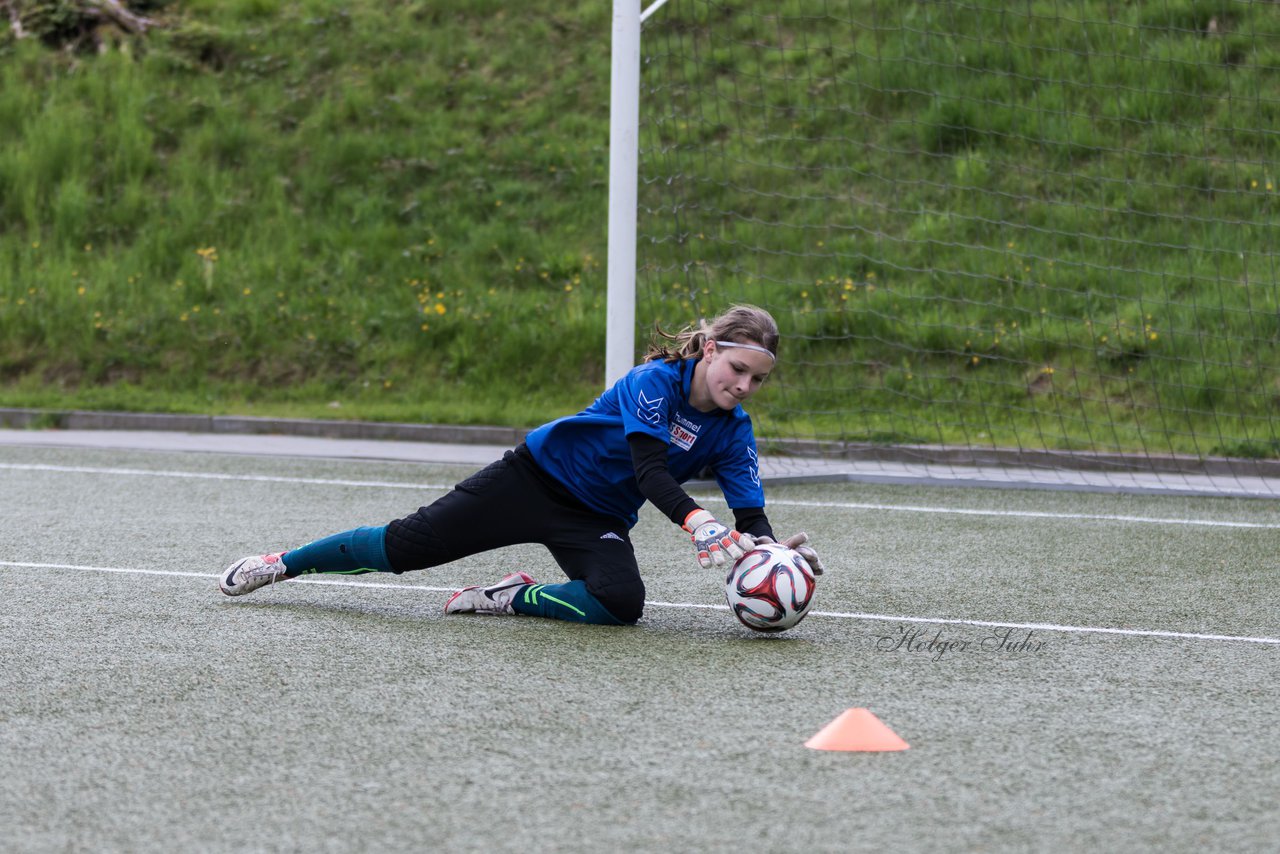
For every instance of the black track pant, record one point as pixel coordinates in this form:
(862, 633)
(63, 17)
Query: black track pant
(514, 501)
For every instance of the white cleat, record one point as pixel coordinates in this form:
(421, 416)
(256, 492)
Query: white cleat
(250, 573)
(494, 599)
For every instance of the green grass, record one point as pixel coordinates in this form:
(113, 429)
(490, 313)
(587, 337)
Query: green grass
(385, 210)
(1045, 226)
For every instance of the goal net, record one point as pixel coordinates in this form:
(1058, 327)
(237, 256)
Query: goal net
(1039, 234)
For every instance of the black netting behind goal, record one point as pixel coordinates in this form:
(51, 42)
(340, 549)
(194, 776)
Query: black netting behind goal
(1040, 233)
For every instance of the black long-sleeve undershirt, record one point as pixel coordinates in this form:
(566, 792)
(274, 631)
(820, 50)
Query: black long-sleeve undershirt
(649, 458)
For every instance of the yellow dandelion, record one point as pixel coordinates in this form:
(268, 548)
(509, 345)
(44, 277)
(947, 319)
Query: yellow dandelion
(440, 309)
(248, 291)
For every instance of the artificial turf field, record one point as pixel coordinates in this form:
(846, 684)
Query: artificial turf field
(141, 710)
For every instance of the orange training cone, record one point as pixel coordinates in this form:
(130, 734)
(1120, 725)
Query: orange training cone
(856, 729)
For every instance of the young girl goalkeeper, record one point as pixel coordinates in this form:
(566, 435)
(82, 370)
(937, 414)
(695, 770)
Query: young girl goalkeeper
(575, 485)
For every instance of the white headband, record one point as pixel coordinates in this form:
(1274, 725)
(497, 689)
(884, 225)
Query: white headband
(755, 347)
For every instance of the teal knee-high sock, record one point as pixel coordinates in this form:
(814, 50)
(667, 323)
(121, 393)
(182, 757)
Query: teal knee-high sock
(569, 601)
(352, 552)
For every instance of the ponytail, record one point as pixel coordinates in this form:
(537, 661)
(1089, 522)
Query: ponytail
(741, 324)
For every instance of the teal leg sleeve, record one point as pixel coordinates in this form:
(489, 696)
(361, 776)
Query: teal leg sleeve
(569, 601)
(349, 553)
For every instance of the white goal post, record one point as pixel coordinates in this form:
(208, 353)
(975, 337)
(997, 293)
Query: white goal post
(624, 155)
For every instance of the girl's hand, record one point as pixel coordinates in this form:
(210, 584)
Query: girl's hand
(796, 543)
(715, 543)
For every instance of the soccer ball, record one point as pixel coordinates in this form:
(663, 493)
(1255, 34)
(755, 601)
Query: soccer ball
(770, 588)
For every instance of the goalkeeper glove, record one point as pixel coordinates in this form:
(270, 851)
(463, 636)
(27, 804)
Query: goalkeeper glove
(715, 543)
(797, 543)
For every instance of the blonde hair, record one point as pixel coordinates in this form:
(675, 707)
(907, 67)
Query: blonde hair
(741, 324)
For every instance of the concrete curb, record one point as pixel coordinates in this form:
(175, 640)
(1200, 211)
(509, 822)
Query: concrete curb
(833, 453)
(246, 425)
(434, 443)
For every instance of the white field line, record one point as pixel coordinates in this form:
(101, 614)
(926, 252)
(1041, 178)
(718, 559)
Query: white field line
(838, 505)
(1025, 514)
(839, 615)
(250, 478)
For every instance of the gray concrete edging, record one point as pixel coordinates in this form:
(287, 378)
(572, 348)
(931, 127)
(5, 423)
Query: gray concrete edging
(17, 418)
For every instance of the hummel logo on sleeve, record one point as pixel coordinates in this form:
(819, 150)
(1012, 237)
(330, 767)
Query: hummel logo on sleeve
(610, 535)
(648, 409)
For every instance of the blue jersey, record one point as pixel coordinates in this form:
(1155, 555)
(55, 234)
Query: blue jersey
(588, 452)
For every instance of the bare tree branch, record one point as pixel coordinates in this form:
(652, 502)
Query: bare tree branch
(114, 11)
(15, 21)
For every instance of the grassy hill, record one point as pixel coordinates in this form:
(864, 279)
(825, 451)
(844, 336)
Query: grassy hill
(270, 206)
(396, 210)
